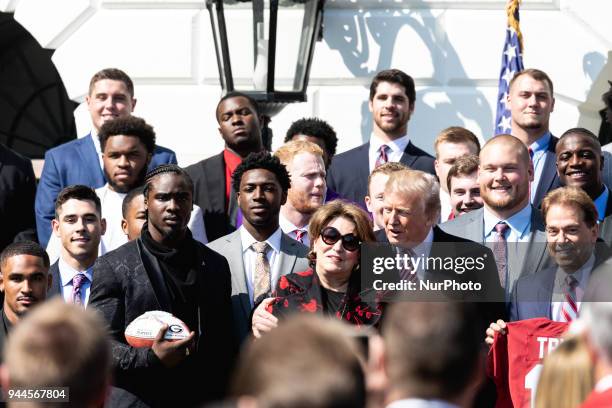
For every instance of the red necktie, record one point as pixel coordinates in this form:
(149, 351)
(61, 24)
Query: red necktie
(299, 235)
(569, 310)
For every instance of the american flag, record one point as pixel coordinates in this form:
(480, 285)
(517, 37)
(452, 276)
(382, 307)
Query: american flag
(512, 62)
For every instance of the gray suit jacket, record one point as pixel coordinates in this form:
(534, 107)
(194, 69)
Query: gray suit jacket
(292, 259)
(471, 226)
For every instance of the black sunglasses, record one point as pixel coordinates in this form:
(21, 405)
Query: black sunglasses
(330, 236)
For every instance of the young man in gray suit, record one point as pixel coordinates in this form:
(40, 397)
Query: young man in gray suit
(507, 222)
(258, 253)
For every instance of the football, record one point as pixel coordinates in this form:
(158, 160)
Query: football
(142, 331)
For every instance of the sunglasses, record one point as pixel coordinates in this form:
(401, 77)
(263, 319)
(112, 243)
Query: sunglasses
(330, 236)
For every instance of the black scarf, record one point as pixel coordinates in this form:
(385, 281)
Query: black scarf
(179, 267)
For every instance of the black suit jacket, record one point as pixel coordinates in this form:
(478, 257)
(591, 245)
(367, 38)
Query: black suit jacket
(17, 192)
(447, 246)
(3, 334)
(123, 289)
(349, 171)
(56, 282)
(209, 194)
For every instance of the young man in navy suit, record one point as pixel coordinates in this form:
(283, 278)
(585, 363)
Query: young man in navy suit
(110, 96)
(392, 100)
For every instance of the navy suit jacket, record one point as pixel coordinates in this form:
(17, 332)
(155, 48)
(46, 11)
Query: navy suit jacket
(349, 171)
(549, 179)
(75, 162)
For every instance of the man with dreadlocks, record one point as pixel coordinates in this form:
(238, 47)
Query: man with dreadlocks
(166, 269)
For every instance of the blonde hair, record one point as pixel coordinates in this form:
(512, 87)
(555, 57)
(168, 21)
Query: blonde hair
(289, 150)
(60, 345)
(457, 135)
(567, 376)
(420, 184)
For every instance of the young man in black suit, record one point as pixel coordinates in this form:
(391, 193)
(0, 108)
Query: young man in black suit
(240, 128)
(166, 269)
(392, 100)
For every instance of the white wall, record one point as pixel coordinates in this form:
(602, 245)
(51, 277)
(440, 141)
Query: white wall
(452, 48)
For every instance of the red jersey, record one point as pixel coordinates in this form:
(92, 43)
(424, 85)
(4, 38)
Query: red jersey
(598, 399)
(515, 359)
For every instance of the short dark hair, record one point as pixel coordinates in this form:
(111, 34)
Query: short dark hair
(394, 76)
(128, 126)
(24, 248)
(262, 160)
(163, 169)
(236, 94)
(129, 197)
(583, 132)
(314, 127)
(77, 192)
(114, 74)
(434, 348)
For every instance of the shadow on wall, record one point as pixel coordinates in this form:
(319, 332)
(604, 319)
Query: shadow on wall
(350, 35)
(592, 112)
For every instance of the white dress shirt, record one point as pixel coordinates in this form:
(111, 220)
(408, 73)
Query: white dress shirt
(421, 251)
(394, 153)
(582, 275)
(249, 257)
(66, 273)
(290, 229)
(445, 206)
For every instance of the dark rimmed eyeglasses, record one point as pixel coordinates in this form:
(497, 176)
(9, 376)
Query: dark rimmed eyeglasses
(330, 236)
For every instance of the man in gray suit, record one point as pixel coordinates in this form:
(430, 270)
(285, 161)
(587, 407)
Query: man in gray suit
(258, 253)
(507, 221)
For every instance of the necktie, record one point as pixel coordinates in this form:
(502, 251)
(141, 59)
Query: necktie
(382, 156)
(299, 235)
(533, 165)
(569, 310)
(77, 281)
(407, 272)
(500, 251)
(261, 285)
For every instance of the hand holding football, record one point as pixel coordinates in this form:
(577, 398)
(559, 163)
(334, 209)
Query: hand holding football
(141, 331)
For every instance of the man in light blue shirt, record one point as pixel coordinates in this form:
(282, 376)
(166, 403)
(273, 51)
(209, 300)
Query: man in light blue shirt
(79, 225)
(507, 222)
(530, 100)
